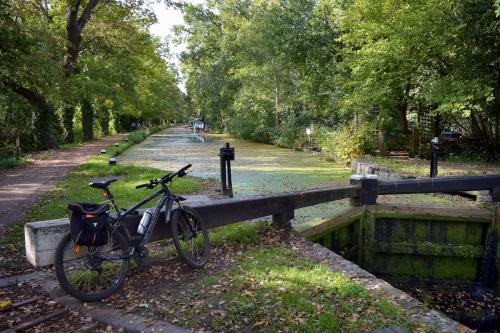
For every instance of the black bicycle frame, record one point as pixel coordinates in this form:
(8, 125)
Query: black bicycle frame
(166, 200)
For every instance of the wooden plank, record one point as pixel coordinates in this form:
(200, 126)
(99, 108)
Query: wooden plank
(429, 249)
(21, 303)
(441, 184)
(331, 223)
(225, 211)
(460, 214)
(35, 322)
(217, 213)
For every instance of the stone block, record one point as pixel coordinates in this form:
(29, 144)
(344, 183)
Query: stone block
(41, 240)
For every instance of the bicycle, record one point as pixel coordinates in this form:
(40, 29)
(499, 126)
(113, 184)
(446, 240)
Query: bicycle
(94, 271)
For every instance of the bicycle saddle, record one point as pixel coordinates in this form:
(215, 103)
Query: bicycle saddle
(102, 184)
(88, 208)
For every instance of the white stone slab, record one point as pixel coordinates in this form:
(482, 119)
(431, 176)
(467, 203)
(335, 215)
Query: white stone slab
(41, 240)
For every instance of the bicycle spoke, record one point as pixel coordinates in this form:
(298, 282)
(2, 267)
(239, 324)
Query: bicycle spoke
(93, 270)
(191, 240)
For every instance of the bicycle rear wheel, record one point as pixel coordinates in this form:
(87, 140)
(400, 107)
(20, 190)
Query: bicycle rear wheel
(92, 273)
(190, 237)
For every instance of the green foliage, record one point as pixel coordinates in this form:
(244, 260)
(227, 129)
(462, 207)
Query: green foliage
(347, 142)
(425, 56)
(12, 162)
(254, 65)
(289, 136)
(58, 85)
(237, 233)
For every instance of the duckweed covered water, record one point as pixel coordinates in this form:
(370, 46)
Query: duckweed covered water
(258, 168)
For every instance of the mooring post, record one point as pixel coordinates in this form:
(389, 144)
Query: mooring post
(433, 152)
(355, 180)
(223, 172)
(229, 178)
(226, 154)
(369, 189)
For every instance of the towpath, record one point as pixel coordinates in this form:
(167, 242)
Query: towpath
(20, 187)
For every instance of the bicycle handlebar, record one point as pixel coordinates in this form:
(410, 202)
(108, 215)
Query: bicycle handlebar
(165, 179)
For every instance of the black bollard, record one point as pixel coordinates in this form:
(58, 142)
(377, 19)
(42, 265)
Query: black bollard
(226, 156)
(223, 171)
(433, 152)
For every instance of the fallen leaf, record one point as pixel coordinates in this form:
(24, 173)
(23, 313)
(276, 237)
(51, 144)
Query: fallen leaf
(5, 303)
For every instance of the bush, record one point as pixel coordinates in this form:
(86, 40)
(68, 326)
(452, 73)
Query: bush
(262, 134)
(11, 162)
(248, 127)
(7, 150)
(291, 134)
(287, 137)
(347, 142)
(241, 127)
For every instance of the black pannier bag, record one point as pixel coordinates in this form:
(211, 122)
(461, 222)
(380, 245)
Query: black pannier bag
(87, 223)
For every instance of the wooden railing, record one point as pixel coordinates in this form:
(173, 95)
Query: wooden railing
(362, 191)
(281, 206)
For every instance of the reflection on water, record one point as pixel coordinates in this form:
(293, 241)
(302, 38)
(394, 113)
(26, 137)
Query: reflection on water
(200, 138)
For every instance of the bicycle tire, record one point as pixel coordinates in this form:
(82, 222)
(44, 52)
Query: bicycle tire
(181, 234)
(117, 238)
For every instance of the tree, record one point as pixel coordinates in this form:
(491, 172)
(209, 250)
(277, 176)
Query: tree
(440, 54)
(257, 65)
(66, 59)
(28, 67)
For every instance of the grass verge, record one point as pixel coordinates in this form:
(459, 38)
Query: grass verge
(12, 162)
(276, 288)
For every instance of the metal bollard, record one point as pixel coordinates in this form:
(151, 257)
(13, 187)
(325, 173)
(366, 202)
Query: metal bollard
(226, 154)
(433, 152)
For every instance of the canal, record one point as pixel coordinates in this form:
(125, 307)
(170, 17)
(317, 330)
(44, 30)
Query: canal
(258, 168)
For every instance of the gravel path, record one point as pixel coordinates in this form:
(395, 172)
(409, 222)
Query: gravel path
(22, 186)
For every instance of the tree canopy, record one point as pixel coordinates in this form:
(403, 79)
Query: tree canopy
(90, 65)
(265, 70)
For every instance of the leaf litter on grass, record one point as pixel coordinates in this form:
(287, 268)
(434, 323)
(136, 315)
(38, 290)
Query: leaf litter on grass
(264, 284)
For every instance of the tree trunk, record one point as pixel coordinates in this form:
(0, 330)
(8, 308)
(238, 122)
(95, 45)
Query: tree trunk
(496, 112)
(74, 28)
(68, 114)
(87, 119)
(104, 121)
(276, 104)
(42, 117)
(401, 109)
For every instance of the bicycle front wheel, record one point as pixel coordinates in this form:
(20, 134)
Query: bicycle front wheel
(190, 237)
(92, 273)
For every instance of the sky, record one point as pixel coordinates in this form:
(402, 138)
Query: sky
(167, 18)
